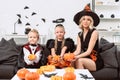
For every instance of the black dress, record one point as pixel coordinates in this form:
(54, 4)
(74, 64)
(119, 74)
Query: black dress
(68, 42)
(84, 46)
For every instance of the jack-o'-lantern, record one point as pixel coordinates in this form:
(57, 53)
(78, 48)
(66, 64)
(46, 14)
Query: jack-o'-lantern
(54, 60)
(31, 57)
(22, 72)
(62, 63)
(69, 76)
(32, 76)
(68, 56)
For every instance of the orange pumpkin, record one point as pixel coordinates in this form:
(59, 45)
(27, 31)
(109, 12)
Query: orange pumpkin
(68, 56)
(53, 60)
(69, 76)
(50, 58)
(32, 76)
(31, 57)
(56, 58)
(22, 72)
(62, 63)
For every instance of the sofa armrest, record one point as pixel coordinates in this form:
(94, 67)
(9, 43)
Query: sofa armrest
(7, 71)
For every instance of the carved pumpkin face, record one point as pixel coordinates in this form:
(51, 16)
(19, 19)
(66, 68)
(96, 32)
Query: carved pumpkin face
(22, 72)
(32, 76)
(62, 63)
(54, 60)
(69, 56)
(69, 76)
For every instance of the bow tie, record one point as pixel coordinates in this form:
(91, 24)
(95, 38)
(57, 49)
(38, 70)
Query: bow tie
(33, 44)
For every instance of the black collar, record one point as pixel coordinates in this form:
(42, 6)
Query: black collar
(33, 44)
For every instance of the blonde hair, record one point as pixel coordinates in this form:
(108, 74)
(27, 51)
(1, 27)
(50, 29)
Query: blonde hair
(63, 41)
(34, 31)
(90, 26)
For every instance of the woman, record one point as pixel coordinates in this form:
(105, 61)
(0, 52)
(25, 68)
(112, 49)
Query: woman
(87, 51)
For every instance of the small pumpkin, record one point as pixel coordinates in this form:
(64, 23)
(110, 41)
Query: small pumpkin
(31, 57)
(68, 56)
(22, 72)
(54, 60)
(32, 76)
(69, 76)
(62, 63)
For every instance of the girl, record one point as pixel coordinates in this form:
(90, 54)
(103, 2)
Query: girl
(60, 45)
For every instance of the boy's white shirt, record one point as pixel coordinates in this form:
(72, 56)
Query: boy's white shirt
(27, 53)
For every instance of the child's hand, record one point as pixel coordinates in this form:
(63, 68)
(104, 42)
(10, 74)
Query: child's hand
(61, 57)
(32, 57)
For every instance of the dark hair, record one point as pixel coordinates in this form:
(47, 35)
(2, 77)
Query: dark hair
(59, 25)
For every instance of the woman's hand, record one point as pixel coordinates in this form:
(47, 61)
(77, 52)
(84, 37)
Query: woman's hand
(76, 57)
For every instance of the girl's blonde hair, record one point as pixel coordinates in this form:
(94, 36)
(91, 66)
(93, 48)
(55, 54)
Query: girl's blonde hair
(34, 31)
(63, 41)
(90, 26)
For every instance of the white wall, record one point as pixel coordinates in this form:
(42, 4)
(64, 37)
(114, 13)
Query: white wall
(48, 9)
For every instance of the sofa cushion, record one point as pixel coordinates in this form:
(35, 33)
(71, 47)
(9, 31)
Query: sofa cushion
(12, 42)
(109, 57)
(108, 53)
(8, 52)
(7, 71)
(105, 45)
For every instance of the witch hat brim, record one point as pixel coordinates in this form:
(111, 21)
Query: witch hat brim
(84, 12)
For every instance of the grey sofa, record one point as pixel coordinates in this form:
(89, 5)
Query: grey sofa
(8, 59)
(110, 54)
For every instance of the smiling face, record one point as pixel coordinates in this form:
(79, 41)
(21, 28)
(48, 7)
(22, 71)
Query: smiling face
(33, 37)
(59, 32)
